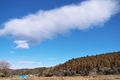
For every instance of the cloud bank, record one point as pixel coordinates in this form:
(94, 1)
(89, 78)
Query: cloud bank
(34, 28)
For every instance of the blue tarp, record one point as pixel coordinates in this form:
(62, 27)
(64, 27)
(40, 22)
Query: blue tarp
(23, 76)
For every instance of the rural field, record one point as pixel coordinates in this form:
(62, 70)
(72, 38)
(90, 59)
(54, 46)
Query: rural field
(101, 77)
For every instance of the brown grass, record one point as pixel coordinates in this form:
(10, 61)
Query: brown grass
(102, 77)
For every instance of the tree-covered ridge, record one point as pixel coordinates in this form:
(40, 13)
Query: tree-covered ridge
(108, 63)
(104, 64)
(89, 62)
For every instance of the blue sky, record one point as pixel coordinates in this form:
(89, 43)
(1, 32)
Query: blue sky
(44, 33)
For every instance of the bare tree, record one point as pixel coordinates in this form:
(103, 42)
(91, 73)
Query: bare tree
(4, 67)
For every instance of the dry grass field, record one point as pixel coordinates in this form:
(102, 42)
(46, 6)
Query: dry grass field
(102, 77)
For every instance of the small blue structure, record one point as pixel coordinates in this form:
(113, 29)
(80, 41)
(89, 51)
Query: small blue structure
(23, 76)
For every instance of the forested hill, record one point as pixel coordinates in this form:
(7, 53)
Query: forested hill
(108, 63)
(104, 64)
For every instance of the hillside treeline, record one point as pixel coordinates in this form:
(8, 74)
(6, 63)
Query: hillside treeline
(105, 64)
(34, 72)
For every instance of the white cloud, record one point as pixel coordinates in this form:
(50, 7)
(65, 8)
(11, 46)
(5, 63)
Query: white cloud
(21, 44)
(11, 51)
(51, 62)
(47, 24)
(50, 58)
(28, 62)
(39, 62)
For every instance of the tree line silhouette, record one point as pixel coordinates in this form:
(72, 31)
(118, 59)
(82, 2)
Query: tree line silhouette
(108, 63)
(102, 64)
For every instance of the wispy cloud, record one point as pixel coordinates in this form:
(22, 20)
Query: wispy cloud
(39, 62)
(11, 51)
(28, 62)
(51, 62)
(47, 24)
(50, 58)
(21, 44)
